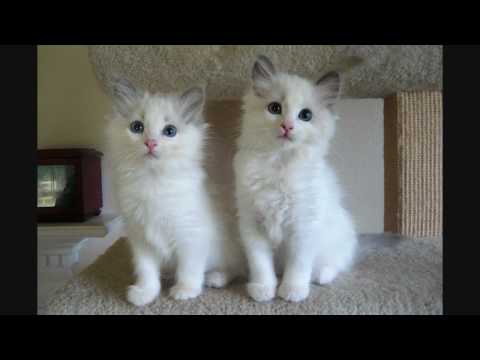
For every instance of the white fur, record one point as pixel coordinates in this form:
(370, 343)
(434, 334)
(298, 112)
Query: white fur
(171, 222)
(288, 199)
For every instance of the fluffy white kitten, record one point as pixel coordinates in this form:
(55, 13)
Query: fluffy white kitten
(156, 144)
(287, 195)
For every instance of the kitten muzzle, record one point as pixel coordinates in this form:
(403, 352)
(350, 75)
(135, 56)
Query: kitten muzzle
(286, 128)
(151, 145)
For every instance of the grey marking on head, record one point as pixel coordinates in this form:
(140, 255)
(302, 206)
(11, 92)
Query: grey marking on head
(330, 87)
(125, 94)
(192, 102)
(262, 73)
(263, 68)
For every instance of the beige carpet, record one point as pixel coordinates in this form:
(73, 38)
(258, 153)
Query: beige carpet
(401, 279)
(226, 69)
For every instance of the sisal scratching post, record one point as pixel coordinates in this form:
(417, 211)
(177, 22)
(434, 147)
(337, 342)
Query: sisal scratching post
(413, 163)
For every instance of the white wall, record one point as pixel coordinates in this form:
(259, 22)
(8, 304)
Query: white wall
(72, 107)
(357, 155)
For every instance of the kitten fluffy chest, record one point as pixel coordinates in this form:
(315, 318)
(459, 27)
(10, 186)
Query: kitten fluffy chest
(272, 188)
(162, 205)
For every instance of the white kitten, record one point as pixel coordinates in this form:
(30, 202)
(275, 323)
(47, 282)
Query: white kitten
(287, 195)
(156, 144)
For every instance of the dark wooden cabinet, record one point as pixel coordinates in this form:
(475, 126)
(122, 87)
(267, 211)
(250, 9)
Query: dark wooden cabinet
(69, 185)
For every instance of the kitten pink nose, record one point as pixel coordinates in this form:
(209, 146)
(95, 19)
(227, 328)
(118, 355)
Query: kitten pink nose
(151, 144)
(286, 126)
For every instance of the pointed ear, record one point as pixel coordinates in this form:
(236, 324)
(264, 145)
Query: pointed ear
(329, 87)
(262, 74)
(124, 94)
(192, 102)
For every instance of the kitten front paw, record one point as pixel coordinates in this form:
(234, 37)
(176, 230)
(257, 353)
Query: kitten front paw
(140, 296)
(293, 292)
(261, 292)
(183, 292)
(326, 275)
(216, 279)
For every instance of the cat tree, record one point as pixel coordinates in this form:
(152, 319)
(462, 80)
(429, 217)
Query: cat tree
(403, 280)
(409, 77)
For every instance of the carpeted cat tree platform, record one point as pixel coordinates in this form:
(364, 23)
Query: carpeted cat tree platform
(402, 278)
(405, 278)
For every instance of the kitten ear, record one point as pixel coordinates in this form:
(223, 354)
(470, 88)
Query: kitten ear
(329, 87)
(124, 94)
(262, 74)
(192, 102)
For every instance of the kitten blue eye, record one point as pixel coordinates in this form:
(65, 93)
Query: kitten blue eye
(136, 127)
(305, 115)
(275, 108)
(169, 131)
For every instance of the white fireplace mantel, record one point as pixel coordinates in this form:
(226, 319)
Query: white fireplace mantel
(59, 246)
